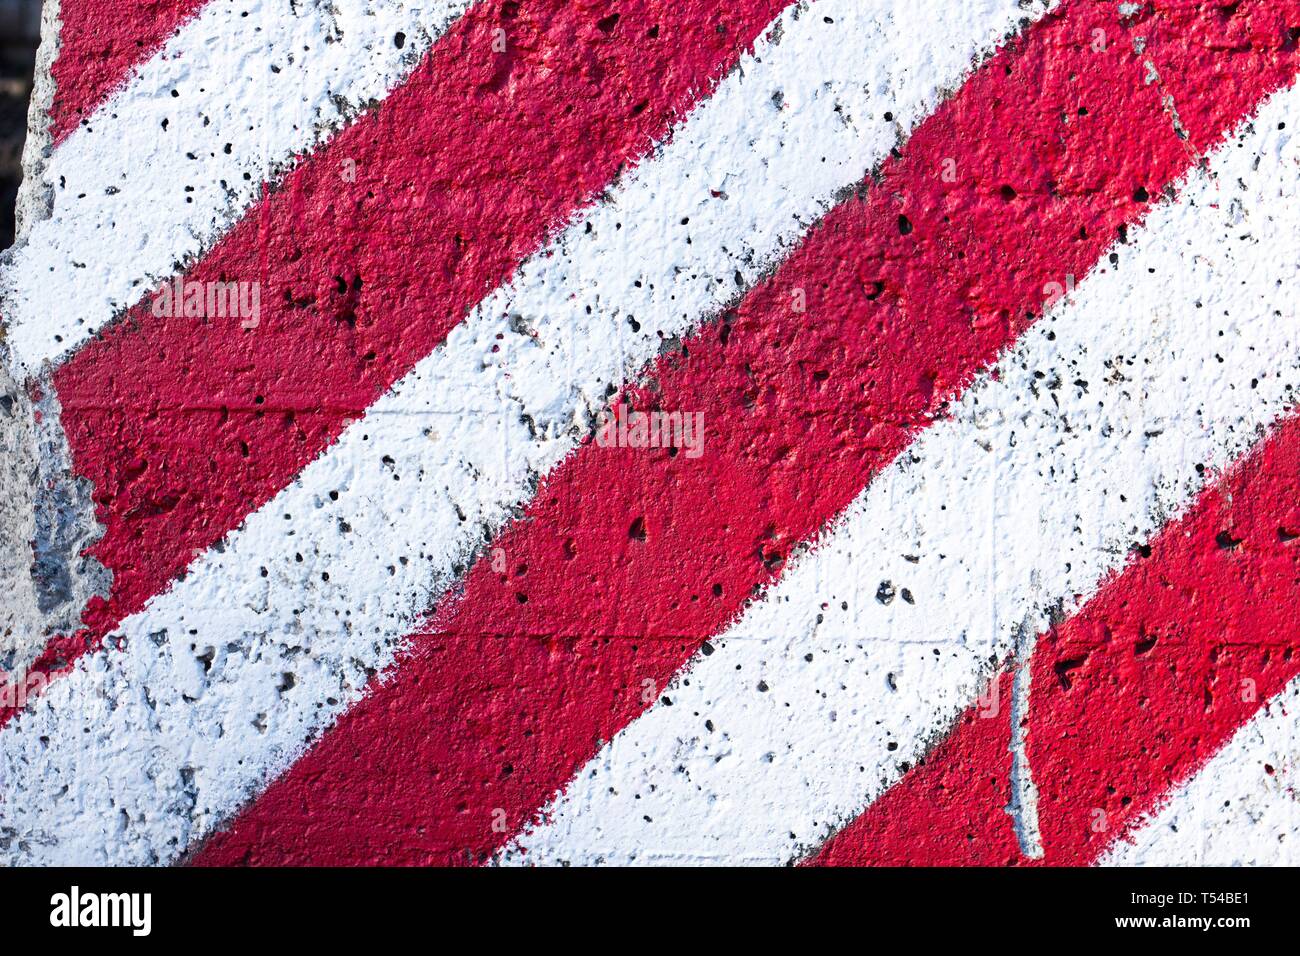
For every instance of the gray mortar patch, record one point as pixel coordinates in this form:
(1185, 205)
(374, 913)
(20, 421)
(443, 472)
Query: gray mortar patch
(47, 522)
(65, 578)
(47, 517)
(20, 618)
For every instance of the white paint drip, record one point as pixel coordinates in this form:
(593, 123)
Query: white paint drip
(157, 741)
(153, 179)
(1024, 794)
(1241, 809)
(820, 697)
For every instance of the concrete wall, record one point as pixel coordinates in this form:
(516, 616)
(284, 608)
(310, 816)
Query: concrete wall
(643, 432)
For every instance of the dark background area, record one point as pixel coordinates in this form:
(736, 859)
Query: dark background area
(20, 22)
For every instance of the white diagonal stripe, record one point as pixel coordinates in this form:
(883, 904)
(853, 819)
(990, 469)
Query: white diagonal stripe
(821, 696)
(152, 180)
(160, 740)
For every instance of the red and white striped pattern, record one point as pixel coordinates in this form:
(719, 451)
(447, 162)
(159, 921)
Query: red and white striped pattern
(375, 594)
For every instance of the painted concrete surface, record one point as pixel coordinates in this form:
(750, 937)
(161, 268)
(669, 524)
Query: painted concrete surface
(534, 432)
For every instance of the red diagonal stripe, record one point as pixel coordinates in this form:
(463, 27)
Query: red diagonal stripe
(1130, 696)
(802, 411)
(100, 43)
(184, 427)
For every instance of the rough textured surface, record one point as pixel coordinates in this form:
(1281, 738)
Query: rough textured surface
(22, 630)
(972, 303)
(1054, 485)
(183, 120)
(795, 418)
(100, 46)
(47, 522)
(32, 202)
(1143, 686)
(529, 363)
(20, 618)
(397, 257)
